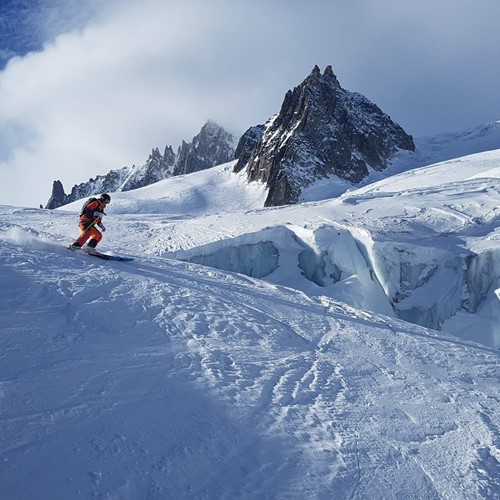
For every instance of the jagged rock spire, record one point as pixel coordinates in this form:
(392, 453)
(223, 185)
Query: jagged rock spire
(330, 74)
(315, 76)
(58, 197)
(320, 131)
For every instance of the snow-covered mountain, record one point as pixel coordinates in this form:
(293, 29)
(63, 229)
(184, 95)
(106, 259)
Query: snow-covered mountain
(323, 141)
(254, 352)
(322, 130)
(212, 146)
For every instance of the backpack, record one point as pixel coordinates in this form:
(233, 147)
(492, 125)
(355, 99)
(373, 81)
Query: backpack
(83, 211)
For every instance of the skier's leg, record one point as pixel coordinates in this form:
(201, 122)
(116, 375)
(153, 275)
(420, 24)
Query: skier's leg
(95, 236)
(86, 234)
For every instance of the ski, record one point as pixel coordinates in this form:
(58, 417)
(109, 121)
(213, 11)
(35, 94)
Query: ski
(103, 256)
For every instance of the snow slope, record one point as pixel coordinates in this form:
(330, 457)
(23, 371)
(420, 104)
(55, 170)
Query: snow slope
(279, 367)
(164, 379)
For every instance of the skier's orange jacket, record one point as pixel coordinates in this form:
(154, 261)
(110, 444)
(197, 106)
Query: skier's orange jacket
(89, 231)
(88, 216)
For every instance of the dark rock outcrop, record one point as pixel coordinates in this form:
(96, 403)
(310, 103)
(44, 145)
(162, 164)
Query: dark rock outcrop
(247, 145)
(212, 146)
(320, 131)
(57, 198)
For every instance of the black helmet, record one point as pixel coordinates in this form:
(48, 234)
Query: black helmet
(105, 197)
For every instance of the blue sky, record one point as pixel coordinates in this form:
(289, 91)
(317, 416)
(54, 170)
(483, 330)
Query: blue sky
(108, 80)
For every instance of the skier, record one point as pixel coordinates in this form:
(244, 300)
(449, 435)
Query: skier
(91, 216)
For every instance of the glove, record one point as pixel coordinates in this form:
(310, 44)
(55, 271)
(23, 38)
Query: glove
(102, 227)
(99, 214)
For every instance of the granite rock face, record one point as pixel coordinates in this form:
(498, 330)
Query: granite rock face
(321, 130)
(247, 144)
(157, 167)
(212, 146)
(57, 198)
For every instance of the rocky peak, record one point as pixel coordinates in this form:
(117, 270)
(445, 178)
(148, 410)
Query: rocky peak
(322, 130)
(212, 146)
(316, 78)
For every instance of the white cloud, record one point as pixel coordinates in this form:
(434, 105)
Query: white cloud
(150, 73)
(101, 97)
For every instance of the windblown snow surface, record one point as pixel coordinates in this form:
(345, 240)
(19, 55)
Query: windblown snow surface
(345, 348)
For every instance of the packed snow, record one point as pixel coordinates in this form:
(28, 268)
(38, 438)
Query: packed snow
(340, 348)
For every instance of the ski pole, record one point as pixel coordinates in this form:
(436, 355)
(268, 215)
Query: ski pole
(92, 224)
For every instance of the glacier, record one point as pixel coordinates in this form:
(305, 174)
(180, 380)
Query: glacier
(422, 285)
(383, 247)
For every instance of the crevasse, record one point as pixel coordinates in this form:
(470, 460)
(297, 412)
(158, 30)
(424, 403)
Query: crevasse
(422, 284)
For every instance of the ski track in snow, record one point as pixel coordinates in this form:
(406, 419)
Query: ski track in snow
(213, 385)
